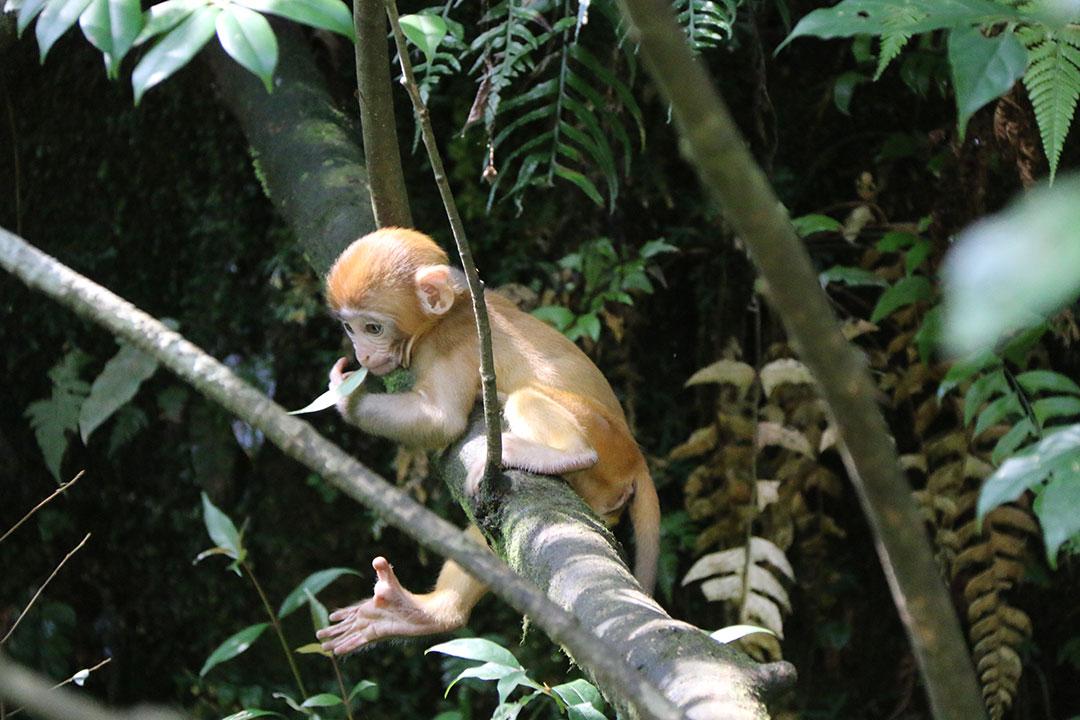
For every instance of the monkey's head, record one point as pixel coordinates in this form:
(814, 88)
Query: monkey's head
(387, 288)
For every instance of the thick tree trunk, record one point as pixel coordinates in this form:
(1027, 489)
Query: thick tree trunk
(304, 148)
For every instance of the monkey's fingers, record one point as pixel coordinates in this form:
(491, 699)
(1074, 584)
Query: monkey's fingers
(337, 372)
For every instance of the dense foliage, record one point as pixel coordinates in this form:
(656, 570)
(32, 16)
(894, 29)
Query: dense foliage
(885, 143)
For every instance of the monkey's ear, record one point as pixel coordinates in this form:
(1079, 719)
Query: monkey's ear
(435, 289)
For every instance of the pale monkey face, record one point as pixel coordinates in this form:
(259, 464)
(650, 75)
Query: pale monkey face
(376, 340)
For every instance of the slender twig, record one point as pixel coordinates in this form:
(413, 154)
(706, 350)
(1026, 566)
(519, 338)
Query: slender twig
(476, 287)
(711, 142)
(42, 588)
(42, 504)
(70, 680)
(277, 628)
(341, 686)
(389, 198)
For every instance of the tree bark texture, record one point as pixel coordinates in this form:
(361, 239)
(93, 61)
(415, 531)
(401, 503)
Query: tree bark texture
(303, 147)
(389, 198)
(713, 145)
(548, 534)
(301, 442)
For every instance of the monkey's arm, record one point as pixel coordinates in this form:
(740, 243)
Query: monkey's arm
(393, 611)
(431, 415)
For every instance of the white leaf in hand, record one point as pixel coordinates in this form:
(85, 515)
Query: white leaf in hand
(331, 396)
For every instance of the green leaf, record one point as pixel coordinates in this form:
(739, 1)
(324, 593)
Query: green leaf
(982, 390)
(851, 276)
(27, 12)
(587, 325)
(558, 316)
(331, 397)
(366, 690)
(578, 692)
(905, 292)
(1053, 85)
(1029, 468)
(1056, 508)
(1010, 441)
(1008, 271)
(55, 20)
(221, 529)
(486, 672)
(584, 711)
(844, 89)
(232, 647)
(313, 583)
(1055, 408)
(896, 241)
(320, 616)
(731, 633)
(997, 411)
(331, 15)
(917, 255)
(928, 336)
(52, 419)
(477, 649)
(322, 700)
(425, 32)
(174, 50)
(1037, 381)
(581, 181)
(115, 387)
(874, 17)
(251, 714)
(656, 247)
(248, 38)
(112, 26)
(983, 68)
(163, 17)
(964, 368)
(809, 224)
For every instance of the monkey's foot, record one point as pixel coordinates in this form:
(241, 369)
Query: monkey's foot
(393, 611)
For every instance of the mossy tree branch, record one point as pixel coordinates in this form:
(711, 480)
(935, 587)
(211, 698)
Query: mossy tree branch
(713, 145)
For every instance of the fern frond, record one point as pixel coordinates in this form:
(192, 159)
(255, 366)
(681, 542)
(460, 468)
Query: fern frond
(1053, 84)
(707, 23)
(897, 31)
(55, 418)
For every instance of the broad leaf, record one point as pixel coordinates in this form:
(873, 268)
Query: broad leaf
(322, 700)
(249, 40)
(232, 647)
(251, 714)
(163, 17)
(332, 15)
(579, 692)
(1056, 508)
(27, 12)
(174, 50)
(112, 26)
(366, 690)
(221, 529)
(1055, 452)
(313, 583)
(905, 292)
(476, 649)
(425, 32)
(331, 397)
(810, 224)
(1007, 271)
(55, 20)
(731, 633)
(851, 276)
(115, 387)
(983, 68)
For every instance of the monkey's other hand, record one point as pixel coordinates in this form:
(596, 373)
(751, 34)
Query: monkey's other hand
(393, 611)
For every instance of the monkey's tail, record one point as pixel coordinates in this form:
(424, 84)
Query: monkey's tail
(645, 516)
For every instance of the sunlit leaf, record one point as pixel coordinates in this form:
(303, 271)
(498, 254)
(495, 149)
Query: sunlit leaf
(112, 26)
(476, 649)
(425, 32)
(175, 49)
(234, 646)
(332, 15)
(731, 633)
(55, 20)
(331, 397)
(1057, 451)
(248, 38)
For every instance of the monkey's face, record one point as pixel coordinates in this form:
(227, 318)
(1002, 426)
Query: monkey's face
(377, 342)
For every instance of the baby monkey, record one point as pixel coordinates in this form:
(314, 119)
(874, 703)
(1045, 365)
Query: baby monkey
(402, 305)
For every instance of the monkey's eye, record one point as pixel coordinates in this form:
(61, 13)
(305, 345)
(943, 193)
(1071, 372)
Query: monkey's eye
(347, 326)
(373, 328)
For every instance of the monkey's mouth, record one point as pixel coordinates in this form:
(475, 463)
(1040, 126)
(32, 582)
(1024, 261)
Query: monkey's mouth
(383, 368)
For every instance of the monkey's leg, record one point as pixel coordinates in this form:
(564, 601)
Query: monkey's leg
(393, 611)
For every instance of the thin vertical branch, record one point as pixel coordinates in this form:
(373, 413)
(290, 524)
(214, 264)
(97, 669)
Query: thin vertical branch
(277, 630)
(492, 421)
(389, 197)
(711, 142)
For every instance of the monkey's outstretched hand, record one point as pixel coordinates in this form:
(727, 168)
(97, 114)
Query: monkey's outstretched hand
(391, 612)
